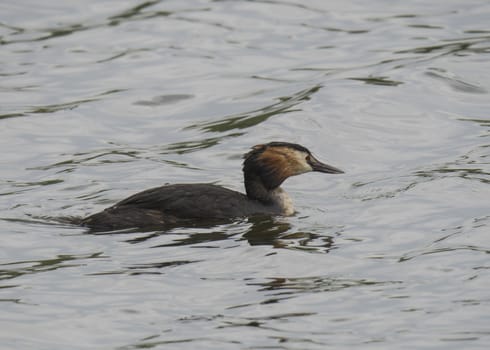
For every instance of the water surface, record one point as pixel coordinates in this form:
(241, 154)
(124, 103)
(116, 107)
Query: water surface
(101, 99)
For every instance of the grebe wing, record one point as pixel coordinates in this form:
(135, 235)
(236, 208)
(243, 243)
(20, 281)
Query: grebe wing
(190, 200)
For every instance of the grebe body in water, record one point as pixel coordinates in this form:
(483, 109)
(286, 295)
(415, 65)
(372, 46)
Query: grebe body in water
(265, 168)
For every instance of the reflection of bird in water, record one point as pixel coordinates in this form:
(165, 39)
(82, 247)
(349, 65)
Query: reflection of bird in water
(265, 168)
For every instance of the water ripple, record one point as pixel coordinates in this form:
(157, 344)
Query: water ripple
(252, 118)
(293, 286)
(429, 251)
(133, 13)
(455, 82)
(19, 268)
(64, 106)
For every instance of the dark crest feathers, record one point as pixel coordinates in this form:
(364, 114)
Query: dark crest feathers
(260, 148)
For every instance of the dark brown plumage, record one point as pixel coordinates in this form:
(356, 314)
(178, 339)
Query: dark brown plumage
(265, 168)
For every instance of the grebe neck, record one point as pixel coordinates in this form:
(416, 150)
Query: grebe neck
(256, 190)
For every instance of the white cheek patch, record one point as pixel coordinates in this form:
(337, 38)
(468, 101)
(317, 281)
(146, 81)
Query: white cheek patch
(302, 165)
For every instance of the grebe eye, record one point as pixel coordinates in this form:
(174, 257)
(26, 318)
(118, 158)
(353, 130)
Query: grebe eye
(308, 158)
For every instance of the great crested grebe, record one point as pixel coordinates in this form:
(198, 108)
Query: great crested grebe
(265, 168)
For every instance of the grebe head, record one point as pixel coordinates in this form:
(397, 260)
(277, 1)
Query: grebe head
(272, 163)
